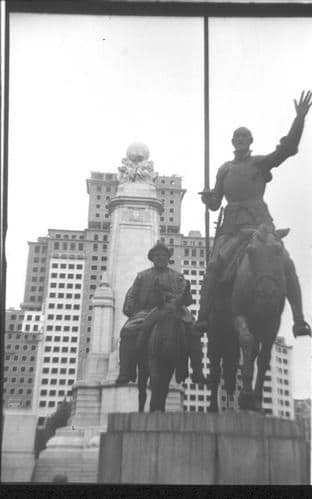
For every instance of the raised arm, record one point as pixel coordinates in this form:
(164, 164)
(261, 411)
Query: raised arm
(288, 145)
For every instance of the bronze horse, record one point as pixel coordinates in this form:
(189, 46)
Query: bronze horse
(162, 350)
(246, 314)
(258, 300)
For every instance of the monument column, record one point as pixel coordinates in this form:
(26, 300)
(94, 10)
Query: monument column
(135, 214)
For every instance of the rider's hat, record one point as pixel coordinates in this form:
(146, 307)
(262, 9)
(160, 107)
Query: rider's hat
(159, 246)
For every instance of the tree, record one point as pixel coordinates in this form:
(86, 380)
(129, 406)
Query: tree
(57, 420)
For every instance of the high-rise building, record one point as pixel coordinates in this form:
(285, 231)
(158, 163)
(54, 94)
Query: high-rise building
(63, 272)
(23, 338)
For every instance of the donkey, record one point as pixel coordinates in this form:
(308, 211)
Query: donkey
(258, 300)
(162, 350)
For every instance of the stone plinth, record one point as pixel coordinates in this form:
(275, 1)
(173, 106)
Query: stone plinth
(18, 446)
(74, 450)
(192, 448)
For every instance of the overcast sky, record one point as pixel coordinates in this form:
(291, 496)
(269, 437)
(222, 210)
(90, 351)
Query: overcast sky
(82, 88)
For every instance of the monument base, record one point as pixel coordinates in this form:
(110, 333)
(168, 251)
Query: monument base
(74, 450)
(191, 448)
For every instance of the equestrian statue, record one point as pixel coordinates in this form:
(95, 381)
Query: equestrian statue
(249, 273)
(159, 336)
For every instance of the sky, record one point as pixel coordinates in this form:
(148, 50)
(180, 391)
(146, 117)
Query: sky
(82, 88)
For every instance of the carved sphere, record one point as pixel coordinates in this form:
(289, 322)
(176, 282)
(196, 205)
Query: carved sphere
(137, 151)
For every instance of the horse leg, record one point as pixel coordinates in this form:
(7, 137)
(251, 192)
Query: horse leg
(215, 375)
(164, 381)
(263, 363)
(155, 403)
(142, 382)
(230, 365)
(247, 344)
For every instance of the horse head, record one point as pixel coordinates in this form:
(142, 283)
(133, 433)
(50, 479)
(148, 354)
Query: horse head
(265, 253)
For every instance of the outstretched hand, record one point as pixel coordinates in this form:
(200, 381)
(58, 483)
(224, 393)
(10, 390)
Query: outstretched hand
(304, 104)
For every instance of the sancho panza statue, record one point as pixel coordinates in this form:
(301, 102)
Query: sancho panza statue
(141, 307)
(242, 181)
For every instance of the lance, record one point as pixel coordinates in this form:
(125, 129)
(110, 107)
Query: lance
(206, 132)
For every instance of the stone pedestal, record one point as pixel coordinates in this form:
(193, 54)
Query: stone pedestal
(192, 448)
(74, 450)
(18, 458)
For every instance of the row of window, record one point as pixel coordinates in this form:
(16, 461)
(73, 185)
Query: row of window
(280, 380)
(70, 246)
(52, 393)
(54, 381)
(194, 252)
(281, 361)
(59, 349)
(60, 306)
(193, 272)
(200, 398)
(17, 347)
(68, 296)
(43, 249)
(37, 269)
(12, 327)
(187, 242)
(13, 380)
(15, 317)
(194, 263)
(67, 329)
(281, 350)
(56, 370)
(51, 403)
(69, 266)
(20, 391)
(35, 288)
(283, 402)
(54, 275)
(35, 298)
(66, 236)
(21, 368)
(17, 358)
(60, 317)
(162, 219)
(39, 260)
(63, 360)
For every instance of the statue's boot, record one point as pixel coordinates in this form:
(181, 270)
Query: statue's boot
(127, 360)
(293, 292)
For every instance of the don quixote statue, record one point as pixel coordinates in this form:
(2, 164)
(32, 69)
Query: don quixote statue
(250, 273)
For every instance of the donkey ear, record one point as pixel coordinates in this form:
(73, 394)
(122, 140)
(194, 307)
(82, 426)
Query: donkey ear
(282, 233)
